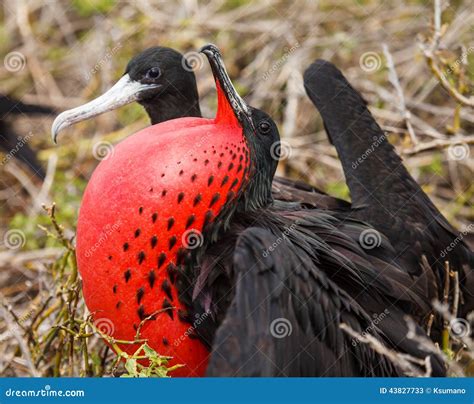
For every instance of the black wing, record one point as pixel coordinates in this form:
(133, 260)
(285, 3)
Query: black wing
(383, 192)
(285, 316)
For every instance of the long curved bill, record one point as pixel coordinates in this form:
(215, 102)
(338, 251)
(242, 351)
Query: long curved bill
(239, 107)
(121, 93)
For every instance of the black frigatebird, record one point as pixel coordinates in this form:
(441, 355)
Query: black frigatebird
(257, 262)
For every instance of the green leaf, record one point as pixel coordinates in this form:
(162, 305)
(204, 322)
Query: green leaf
(131, 367)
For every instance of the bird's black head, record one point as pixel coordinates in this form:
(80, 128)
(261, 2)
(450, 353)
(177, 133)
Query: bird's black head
(159, 78)
(259, 130)
(172, 91)
(265, 147)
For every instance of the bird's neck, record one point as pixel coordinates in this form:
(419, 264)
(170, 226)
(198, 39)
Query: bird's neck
(162, 109)
(258, 192)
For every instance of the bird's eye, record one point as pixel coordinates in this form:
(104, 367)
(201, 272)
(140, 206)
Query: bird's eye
(153, 73)
(264, 127)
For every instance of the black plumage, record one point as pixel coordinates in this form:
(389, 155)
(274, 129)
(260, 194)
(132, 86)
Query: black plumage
(383, 192)
(306, 267)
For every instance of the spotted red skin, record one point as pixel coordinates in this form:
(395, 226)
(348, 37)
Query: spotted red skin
(149, 187)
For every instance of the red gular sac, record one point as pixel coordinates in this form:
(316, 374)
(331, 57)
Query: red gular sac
(146, 208)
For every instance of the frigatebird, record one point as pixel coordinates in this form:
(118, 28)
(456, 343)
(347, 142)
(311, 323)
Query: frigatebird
(159, 79)
(12, 143)
(253, 261)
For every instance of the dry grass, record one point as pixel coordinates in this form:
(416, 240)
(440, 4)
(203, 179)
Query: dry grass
(74, 50)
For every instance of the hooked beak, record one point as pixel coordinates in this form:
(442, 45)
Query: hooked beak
(123, 92)
(238, 106)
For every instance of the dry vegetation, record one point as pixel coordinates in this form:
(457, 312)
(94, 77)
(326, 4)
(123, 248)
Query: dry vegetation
(414, 67)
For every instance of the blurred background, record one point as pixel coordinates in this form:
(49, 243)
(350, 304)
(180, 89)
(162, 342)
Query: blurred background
(412, 61)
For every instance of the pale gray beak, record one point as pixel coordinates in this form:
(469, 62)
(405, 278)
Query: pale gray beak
(123, 92)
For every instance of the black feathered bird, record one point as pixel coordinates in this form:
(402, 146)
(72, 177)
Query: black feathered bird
(12, 143)
(383, 192)
(264, 261)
